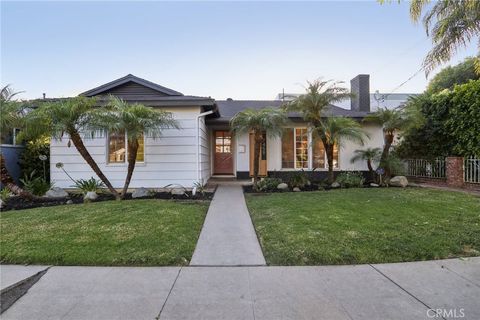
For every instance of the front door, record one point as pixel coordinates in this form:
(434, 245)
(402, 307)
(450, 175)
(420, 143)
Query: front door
(223, 160)
(262, 168)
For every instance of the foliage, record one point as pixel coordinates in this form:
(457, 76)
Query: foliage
(89, 185)
(140, 232)
(268, 184)
(451, 124)
(270, 121)
(394, 164)
(450, 24)
(5, 194)
(298, 179)
(374, 225)
(371, 155)
(463, 121)
(35, 184)
(450, 76)
(30, 158)
(350, 179)
(200, 187)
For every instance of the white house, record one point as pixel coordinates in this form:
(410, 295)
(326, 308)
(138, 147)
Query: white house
(203, 146)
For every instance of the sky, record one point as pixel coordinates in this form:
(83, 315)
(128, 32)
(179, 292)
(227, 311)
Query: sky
(239, 50)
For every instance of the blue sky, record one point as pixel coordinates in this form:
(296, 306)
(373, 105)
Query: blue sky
(243, 50)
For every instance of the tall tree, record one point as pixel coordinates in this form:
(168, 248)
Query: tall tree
(450, 76)
(72, 116)
(370, 155)
(268, 120)
(333, 131)
(137, 121)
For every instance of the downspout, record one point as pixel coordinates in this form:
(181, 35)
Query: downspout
(198, 143)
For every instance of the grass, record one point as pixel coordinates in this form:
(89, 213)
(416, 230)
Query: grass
(365, 225)
(137, 232)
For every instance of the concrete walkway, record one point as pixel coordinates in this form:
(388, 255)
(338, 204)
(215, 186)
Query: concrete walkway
(384, 292)
(228, 237)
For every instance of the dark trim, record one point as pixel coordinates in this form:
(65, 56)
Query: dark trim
(130, 77)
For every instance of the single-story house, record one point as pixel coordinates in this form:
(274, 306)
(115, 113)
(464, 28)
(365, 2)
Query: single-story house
(203, 146)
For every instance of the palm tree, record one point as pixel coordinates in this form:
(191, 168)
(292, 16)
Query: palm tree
(370, 155)
(136, 120)
(267, 120)
(391, 121)
(332, 131)
(319, 95)
(74, 117)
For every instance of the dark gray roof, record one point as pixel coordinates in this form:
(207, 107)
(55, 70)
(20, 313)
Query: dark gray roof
(130, 78)
(229, 108)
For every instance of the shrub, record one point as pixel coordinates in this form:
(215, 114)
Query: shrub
(350, 179)
(268, 184)
(5, 194)
(299, 179)
(35, 184)
(91, 184)
(30, 159)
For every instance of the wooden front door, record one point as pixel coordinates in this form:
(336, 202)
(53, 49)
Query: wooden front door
(262, 168)
(223, 160)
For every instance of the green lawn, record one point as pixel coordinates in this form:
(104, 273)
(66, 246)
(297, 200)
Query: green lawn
(365, 225)
(137, 232)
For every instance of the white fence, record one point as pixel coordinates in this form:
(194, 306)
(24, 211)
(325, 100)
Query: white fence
(471, 169)
(425, 168)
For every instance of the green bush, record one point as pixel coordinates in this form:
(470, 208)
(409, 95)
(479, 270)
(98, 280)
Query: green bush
(268, 184)
(35, 184)
(298, 179)
(91, 184)
(350, 179)
(5, 194)
(30, 159)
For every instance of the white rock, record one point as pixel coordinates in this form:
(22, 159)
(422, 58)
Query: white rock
(398, 181)
(177, 191)
(335, 185)
(90, 196)
(296, 189)
(69, 202)
(282, 186)
(1, 203)
(140, 193)
(56, 192)
(374, 185)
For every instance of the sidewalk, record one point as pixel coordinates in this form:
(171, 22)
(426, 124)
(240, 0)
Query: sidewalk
(384, 292)
(228, 237)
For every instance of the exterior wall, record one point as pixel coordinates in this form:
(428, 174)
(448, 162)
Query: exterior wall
(274, 152)
(204, 151)
(170, 159)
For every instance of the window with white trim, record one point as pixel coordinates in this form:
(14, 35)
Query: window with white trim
(117, 148)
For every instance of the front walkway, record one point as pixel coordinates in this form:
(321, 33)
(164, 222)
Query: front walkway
(228, 237)
(400, 291)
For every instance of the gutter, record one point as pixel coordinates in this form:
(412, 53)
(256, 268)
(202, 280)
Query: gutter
(201, 115)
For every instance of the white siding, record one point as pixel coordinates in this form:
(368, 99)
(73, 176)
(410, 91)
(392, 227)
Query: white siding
(168, 159)
(346, 152)
(204, 151)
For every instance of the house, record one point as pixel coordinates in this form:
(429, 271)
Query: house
(203, 146)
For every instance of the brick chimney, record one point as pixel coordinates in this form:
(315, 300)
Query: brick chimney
(360, 87)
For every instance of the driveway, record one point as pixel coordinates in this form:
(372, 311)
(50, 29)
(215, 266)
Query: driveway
(411, 290)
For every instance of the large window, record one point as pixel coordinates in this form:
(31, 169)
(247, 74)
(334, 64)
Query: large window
(117, 148)
(296, 147)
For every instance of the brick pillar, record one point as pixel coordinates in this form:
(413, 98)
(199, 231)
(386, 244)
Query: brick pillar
(454, 172)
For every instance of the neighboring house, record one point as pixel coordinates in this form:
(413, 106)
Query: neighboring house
(203, 146)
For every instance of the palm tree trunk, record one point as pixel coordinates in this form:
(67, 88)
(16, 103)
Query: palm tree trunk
(388, 141)
(132, 159)
(9, 183)
(329, 152)
(78, 143)
(370, 169)
(256, 156)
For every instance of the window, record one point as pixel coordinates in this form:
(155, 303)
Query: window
(223, 142)
(117, 148)
(296, 147)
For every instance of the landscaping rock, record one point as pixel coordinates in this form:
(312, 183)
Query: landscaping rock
(282, 186)
(177, 191)
(69, 202)
(1, 203)
(90, 196)
(56, 192)
(296, 189)
(335, 185)
(140, 193)
(374, 185)
(398, 181)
